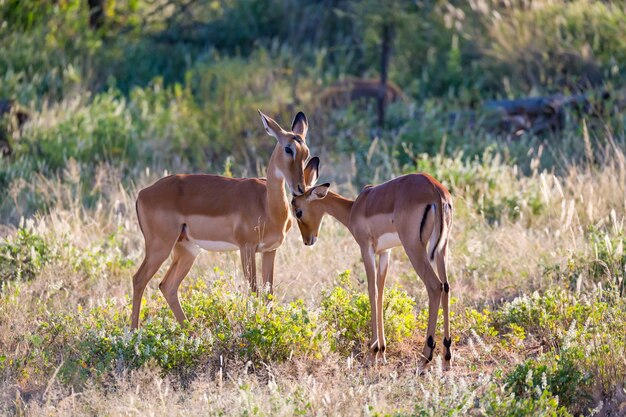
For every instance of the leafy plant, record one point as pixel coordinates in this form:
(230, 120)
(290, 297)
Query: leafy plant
(23, 255)
(347, 313)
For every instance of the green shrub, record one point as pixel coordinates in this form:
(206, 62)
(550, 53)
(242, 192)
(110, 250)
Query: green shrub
(493, 187)
(98, 342)
(102, 131)
(161, 339)
(45, 49)
(501, 403)
(348, 315)
(546, 316)
(558, 374)
(102, 259)
(23, 255)
(584, 352)
(252, 328)
(572, 43)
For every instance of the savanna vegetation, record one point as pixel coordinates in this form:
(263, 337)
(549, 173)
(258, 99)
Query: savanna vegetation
(119, 93)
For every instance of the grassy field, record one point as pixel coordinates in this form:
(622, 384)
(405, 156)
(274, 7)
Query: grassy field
(537, 251)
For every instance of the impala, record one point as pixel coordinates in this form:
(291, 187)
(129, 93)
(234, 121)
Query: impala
(181, 214)
(414, 211)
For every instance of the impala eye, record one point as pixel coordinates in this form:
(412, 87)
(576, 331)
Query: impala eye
(299, 213)
(288, 150)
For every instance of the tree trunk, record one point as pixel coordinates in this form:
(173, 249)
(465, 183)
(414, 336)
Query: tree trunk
(96, 13)
(384, 69)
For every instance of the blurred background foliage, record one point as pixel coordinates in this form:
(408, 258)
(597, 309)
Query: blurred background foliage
(174, 84)
(517, 106)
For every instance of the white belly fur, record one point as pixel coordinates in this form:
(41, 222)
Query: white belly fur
(213, 245)
(209, 245)
(387, 241)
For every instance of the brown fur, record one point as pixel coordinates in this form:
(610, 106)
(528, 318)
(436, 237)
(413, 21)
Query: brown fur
(180, 213)
(342, 93)
(413, 209)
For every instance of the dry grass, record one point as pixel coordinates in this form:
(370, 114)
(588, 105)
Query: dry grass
(489, 263)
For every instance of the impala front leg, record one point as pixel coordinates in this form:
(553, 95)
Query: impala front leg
(369, 260)
(383, 266)
(267, 265)
(248, 263)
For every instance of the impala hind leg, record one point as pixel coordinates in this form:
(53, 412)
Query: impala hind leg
(151, 263)
(419, 260)
(440, 258)
(369, 260)
(183, 260)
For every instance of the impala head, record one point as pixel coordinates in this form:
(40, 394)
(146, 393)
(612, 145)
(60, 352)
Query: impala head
(291, 152)
(309, 211)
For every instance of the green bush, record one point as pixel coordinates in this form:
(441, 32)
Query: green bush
(558, 374)
(221, 322)
(546, 316)
(101, 259)
(98, 342)
(501, 403)
(23, 255)
(573, 43)
(348, 316)
(252, 328)
(605, 266)
(45, 50)
(103, 131)
(107, 345)
(494, 188)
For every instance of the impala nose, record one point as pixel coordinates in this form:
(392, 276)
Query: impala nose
(311, 241)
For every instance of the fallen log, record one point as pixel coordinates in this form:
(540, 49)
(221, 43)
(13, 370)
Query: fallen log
(546, 114)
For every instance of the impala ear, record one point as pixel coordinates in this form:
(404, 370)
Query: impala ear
(300, 124)
(319, 192)
(271, 127)
(311, 171)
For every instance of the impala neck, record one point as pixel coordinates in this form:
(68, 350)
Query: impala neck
(338, 206)
(277, 202)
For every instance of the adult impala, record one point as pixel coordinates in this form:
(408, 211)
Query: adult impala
(181, 214)
(414, 211)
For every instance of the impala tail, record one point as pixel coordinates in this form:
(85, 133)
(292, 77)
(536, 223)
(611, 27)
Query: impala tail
(443, 218)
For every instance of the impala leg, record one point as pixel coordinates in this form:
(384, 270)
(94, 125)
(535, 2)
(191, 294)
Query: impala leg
(434, 290)
(248, 264)
(182, 263)
(419, 260)
(383, 266)
(440, 258)
(150, 265)
(267, 265)
(369, 260)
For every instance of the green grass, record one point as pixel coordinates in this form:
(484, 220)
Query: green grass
(537, 261)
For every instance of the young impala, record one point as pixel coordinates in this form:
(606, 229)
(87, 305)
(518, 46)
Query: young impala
(414, 211)
(180, 214)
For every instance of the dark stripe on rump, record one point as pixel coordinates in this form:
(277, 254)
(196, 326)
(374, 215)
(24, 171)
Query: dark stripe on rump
(423, 223)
